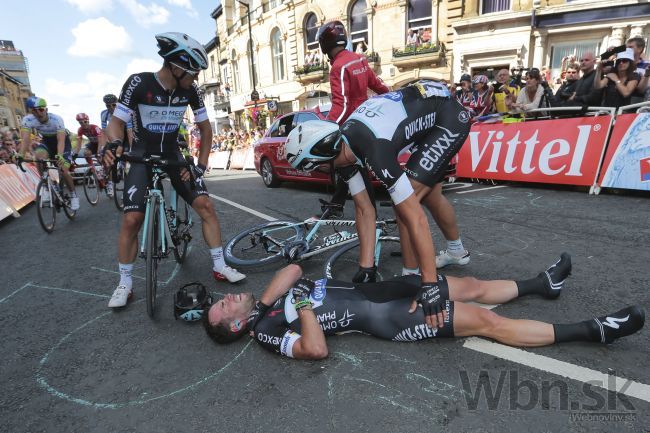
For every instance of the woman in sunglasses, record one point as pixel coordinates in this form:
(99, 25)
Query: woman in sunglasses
(620, 83)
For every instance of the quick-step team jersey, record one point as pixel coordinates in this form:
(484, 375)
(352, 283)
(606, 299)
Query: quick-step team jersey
(157, 113)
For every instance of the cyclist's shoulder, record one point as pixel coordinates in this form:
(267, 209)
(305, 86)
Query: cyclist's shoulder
(29, 121)
(55, 118)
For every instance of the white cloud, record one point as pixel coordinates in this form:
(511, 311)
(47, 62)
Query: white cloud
(92, 6)
(142, 65)
(99, 37)
(185, 4)
(146, 15)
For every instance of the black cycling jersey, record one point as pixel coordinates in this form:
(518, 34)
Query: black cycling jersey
(156, 112)
(422, 117)
(379, 309)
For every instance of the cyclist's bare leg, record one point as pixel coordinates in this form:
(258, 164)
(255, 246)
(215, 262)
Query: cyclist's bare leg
(473, 320)
(409, 259)
(442, 212)
(127, 243)
(365, 211)
(210, 222)
(486, 292)
(68, 179)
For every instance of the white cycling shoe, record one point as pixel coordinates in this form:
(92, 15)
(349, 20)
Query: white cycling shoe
(74, 203)
(228, 274)
(444, 258)
(109, 189)
(120, 297)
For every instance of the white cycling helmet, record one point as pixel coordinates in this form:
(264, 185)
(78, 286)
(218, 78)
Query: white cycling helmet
(179, 46)
(312, 143)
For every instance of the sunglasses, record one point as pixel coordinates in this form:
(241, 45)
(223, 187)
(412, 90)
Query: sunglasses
(111, 105)
(191, 72)
(40, 110)
(83, 121)
(571, 72)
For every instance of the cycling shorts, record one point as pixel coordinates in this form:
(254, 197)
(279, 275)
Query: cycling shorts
(50, 145)
(138, 177)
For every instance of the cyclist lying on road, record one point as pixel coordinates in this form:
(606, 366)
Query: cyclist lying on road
(294, 315)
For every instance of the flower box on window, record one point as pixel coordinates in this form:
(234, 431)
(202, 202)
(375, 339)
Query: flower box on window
(311, 73)
(426, 54)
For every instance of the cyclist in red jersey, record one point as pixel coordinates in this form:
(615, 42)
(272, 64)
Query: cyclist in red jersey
(95, 145)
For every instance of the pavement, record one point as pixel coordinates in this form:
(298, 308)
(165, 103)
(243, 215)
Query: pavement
(69, 364)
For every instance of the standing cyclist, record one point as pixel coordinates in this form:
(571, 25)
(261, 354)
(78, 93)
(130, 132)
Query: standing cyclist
(157, 101)
(422, 116)
(55, 143)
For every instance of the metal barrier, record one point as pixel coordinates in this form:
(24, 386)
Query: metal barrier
(629, 107)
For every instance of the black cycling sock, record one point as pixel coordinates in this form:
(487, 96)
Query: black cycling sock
(533, 286)
(581, 331)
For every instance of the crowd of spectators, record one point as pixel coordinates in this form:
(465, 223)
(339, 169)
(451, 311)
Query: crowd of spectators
(234, 139)
(9, 141)
(620, 77)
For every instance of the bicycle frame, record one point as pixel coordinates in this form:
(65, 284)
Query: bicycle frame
(165, 232)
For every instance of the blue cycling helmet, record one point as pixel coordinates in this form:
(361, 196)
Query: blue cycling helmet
(311, 143)
(35, 102)
(180, 47)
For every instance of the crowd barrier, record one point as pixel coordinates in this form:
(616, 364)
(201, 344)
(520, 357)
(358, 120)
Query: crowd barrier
(602, 149)
(242, 159)
(17, 189)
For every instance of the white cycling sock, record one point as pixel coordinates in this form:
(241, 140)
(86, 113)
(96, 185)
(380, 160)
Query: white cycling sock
(218, 262)
(126, 279)
(409, 271)
(455, 248)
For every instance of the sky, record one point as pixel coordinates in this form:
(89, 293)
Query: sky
(80, 50)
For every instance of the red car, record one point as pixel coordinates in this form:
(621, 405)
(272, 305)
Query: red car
(270, 161)
(271, 164)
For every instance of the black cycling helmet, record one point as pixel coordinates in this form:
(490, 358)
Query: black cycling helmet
(331, 35)
(110, 99)
(190, 300)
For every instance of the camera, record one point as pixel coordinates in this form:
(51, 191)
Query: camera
(517, 74)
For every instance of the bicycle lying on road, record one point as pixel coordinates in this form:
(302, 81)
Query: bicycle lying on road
(51, 195)
(167, 224)
(292, 241)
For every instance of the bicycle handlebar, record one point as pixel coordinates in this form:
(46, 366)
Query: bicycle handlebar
(19, 162)
(158, 161)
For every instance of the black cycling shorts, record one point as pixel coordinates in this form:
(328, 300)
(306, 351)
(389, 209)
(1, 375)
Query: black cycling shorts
(50, 145)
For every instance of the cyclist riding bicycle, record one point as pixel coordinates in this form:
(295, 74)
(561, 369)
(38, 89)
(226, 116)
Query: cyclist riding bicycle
(110, 101)
(157, 102)
(95, 145)
(294, 315)
(55, 143)
(422, 117)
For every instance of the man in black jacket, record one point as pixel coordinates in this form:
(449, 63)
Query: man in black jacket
(568, 88)
(585, 94)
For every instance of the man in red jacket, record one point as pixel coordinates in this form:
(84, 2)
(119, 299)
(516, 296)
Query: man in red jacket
(350, 79)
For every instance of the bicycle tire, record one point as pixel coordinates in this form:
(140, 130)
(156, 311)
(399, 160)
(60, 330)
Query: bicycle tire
(236, 257)
(344, 262)
(91, 187)
(118, 187)
(183, 220)
(151, 255)
(45, 208)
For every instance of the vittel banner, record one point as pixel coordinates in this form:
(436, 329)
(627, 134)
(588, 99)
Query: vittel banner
(627, 162)
(563, 151)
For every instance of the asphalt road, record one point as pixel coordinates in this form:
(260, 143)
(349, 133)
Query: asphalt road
(69, 364)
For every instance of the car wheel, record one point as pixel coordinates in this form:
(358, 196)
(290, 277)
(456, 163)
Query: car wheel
(269, 178)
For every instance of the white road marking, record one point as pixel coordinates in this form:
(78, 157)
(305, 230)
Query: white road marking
(560, 368)
(218, 178)
(456, 185)
(244, 208)
(482, 189)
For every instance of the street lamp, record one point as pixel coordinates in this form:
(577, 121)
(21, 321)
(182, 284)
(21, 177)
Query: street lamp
(254, 96)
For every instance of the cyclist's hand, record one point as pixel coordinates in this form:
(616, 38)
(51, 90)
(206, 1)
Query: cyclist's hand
(365, 275)
(431, 298)
(302, 289)
(60, 160)
(113, 149)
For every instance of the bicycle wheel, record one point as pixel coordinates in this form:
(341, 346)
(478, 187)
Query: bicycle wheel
(152, 250)
(91, 187)
(181, 234)
(45, 207)
(262, 244)
(66, 193)
(118, 186)
(344, 263)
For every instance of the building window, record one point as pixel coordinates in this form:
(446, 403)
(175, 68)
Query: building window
(359, 25)
(311, 30)
(490, 6)
(235, 72)
(419, 22)
(277, 51)
(212, 65)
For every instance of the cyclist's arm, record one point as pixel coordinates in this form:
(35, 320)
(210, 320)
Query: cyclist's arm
(115, 129)
(80, 139)
(206, 142)
(101, 140)
(311, 344)
(129, 135)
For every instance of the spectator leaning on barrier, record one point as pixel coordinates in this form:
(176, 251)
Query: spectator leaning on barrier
(585, 93)
(504, 94)
(642, 93)
(530, 97)
(568, 87)
(620, 83)
(481, 102)
(464, 94)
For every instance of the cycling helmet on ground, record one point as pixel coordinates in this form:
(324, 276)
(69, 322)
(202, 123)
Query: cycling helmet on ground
(312, 143)
(82, 116)
(36, 102)
(110, 99)
(190, 300)
(180, 47)
(331, 35)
